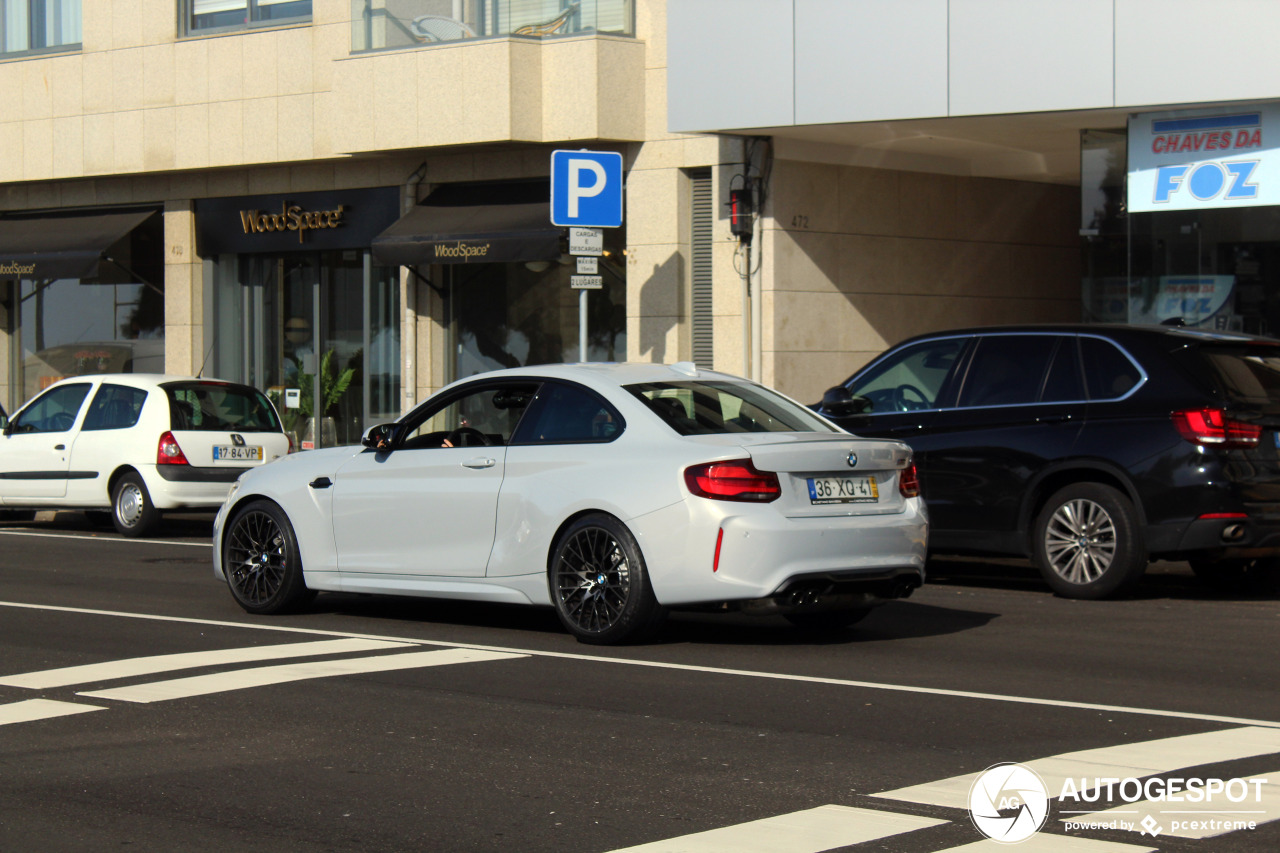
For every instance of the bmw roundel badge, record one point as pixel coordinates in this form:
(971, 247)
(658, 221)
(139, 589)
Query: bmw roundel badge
(853, 459)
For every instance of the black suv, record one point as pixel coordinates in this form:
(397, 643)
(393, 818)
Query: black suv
(1090, 449)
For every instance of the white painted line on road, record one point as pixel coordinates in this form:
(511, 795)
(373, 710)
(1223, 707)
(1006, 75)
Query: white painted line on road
(93, 538)
(133, 667)
(30, 710)
(810, 831)
(240, 679)
(1185, 820)
(1046, 843)
(708, 670)
(1147, 758)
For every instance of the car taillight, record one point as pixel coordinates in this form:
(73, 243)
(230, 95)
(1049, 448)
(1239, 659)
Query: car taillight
(1212, 428)
(169, 453)
(909, 482)
(737, 480)
(291, 447)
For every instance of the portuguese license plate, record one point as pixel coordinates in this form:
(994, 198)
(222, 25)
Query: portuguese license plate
(235, 453)
(843, 490)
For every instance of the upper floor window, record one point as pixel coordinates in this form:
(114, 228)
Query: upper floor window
(39, 26)
(208, 16)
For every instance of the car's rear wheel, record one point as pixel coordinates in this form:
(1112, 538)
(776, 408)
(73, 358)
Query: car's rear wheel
(1088, 543)
(260, 560)
(600, 585)
(132, 511)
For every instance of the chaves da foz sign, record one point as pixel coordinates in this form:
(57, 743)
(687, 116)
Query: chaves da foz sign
(291, 217)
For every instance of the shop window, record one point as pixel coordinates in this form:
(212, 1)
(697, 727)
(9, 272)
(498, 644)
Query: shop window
(39, 26)
(212, 16)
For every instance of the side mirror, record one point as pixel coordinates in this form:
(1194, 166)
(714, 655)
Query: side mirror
(4, 424)
(840, 403)
(379, 435)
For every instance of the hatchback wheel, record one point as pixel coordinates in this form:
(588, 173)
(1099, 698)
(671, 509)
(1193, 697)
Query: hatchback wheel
(1087, 542)
(132, 511)
(260, 559)
(599, 583)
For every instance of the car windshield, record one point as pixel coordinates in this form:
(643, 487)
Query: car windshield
(219, 406)
(716, 408)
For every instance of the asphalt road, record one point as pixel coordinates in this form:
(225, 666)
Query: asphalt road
(399, 724)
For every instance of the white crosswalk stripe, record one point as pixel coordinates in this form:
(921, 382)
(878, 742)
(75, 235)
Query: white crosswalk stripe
(30, 710)
(1044, 843)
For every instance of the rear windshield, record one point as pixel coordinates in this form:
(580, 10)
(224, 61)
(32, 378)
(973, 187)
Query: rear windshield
(1246, 373)
(219, 407)
(715, 408)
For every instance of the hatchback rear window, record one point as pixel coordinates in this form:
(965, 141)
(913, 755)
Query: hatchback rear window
(219, 407)
(715, 408)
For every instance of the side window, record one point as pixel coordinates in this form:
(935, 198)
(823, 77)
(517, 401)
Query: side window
(211, 16)
(1007, 370)
(569, 413)
(53, 411)
(1108, 372)
(487, 416)
(1064, 384)
(114, 407)
(911, 379)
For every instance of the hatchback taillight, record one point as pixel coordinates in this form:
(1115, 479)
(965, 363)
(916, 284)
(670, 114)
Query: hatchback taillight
(737, 480)
(1212, 428)
(909, 482)
(169, 453)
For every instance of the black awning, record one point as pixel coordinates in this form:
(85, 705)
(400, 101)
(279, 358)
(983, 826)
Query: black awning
(474, 223)
(51, 247)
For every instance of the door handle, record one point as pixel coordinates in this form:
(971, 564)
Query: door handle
(1053, 419)
(480, 462)
(59, 447)
(320, 483)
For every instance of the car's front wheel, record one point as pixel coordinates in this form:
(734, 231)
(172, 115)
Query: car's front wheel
(260, 559)
(1088, 542)
(600, 585)
(132, 511)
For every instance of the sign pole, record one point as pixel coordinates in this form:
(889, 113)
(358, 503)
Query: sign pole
(582, 325)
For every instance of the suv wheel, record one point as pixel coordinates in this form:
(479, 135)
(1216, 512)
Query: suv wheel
(1087, 542)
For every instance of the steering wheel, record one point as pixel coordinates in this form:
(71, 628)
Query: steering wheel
(902, 404)
(60, 422)
(467, 437)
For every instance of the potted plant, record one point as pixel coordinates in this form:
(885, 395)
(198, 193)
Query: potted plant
(333, 384)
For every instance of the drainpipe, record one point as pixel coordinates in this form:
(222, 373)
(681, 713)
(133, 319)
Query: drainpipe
(409, 312)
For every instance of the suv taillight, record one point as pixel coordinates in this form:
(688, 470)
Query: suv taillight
(909, 482)
(737, 480)
(169, 453)
(1212, 428)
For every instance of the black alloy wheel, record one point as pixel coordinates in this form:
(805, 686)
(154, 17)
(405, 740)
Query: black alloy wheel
(260, 560)
(1087, 542)
(600, 585)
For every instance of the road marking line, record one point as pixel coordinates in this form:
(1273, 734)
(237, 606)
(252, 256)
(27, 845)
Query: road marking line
(1198, 822)
(92, 538)
(809, 831)
(132, 667)
(837, 682)
(30, 710)
(1147, 758)
(240, 679)
(1045, 843)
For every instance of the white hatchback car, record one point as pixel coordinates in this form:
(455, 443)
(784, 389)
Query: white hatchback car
(611, 492)
(134, 445)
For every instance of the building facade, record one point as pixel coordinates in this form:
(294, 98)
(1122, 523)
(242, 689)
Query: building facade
(347, 199)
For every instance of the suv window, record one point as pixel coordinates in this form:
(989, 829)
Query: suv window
(53, 411)
(114, 407)
(1108, 372)
(1064, 383)
(1246, 374)
(219, 407)
(912, 379)
(1007, 370)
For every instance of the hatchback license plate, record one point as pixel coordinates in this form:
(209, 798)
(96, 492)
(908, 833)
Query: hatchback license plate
(235, 453)
(843, 490)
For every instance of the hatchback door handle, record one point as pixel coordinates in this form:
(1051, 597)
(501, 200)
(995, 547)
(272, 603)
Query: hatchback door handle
(320, 483)
(480, 462)
(59, 447)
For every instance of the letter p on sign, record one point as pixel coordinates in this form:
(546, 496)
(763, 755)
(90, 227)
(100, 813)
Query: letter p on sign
(586, 188)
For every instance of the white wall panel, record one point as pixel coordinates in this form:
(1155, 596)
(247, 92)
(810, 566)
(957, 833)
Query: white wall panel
(869, 60)
(1016, 56)
(729, 64)
(1184, 51)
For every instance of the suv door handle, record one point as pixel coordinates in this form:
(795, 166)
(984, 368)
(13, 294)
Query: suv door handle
(480, 462)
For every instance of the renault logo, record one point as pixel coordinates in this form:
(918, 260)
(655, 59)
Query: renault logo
(237, 439)
(852, 460)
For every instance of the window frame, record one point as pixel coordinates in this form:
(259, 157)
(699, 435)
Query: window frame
(44, 50)
(187, 19)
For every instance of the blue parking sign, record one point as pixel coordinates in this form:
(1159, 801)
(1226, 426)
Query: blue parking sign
(586, 188)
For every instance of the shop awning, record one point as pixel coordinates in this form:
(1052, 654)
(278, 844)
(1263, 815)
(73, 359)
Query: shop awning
(51, 247)
(474, 223)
